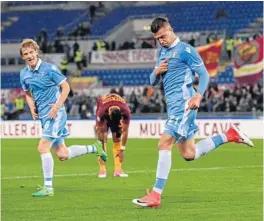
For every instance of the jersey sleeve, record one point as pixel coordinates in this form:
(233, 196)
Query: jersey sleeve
(126, 114)
(192, 58)
(100, 116)
(56, 76)
(23, 83)
(155, 80)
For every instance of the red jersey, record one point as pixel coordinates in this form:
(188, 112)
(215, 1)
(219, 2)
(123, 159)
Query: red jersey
(110, 100)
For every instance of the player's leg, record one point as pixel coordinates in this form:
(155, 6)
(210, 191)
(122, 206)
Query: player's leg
(116, 130)
(187, 129)
(153, 199)
(64, 153)
(74, 150)
(191, 151)
(102, 172)
(47, 167)
(116, 148)
(46, 157)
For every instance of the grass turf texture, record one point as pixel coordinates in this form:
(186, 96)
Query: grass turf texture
(224, 185)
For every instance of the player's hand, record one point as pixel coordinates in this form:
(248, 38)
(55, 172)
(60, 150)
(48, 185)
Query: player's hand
(162, 68)
(53, 111)
(34, 114)
(194, 102)
(121, 155)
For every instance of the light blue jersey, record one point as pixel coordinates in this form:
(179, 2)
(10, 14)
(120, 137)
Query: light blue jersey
(183, 62)
(43, 83)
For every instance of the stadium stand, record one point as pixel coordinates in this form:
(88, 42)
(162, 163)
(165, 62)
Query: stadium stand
(50, 20)
(232, 17)
(27, 3)
(183, 17)
(127, 77)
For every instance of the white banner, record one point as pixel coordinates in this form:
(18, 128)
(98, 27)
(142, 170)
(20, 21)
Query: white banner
(137, 129)
(124, 57)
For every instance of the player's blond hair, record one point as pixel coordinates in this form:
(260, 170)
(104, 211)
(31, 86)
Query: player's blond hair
(28, 43)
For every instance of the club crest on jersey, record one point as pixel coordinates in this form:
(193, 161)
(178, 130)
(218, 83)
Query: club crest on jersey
(174, 53)
(42, 74)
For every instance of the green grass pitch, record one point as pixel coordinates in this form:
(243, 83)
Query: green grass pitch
(225, 185)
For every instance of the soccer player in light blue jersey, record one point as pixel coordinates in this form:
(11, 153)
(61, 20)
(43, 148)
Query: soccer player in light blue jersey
(176, 67)
(46, 91)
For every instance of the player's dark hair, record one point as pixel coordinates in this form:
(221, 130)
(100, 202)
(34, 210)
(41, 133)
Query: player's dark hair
(157, 23)
(116, 115)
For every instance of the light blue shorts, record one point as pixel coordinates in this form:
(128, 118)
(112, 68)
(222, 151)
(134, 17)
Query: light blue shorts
(55, 129)
(182, 126)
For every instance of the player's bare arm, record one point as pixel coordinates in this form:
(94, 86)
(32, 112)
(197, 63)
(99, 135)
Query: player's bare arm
(124, 134)
(121, 153)
(31, 105)
(65, 89)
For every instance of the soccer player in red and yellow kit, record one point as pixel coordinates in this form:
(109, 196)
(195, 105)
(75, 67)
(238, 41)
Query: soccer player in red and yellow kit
(113, 112)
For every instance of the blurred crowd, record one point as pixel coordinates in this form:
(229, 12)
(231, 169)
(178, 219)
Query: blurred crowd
(235, 98)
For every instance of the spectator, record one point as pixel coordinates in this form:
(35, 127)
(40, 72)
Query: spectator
(145, 44)
(229, 46)
(192, 41)
(92, 13)
(64, 66)
(75, 47)
(220, 13)
(59, 32)
(113, 46)
(78, 59)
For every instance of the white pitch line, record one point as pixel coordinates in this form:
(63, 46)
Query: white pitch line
(137, 171)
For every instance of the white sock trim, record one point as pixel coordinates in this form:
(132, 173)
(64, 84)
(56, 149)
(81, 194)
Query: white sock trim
(45, 155)
(224, 138)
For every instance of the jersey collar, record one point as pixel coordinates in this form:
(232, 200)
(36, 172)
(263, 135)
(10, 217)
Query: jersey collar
(37, 66)
(176, 41)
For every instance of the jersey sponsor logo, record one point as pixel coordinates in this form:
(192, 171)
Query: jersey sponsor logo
(188, 50)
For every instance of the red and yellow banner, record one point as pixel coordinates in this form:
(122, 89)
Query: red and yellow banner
(82, 82)
(211, 55)
(248, 61)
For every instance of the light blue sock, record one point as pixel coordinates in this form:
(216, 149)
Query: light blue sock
(205, 146)
(163, 170)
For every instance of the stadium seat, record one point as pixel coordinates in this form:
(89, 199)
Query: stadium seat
(183, 17)
(193, 16)
(48, 19)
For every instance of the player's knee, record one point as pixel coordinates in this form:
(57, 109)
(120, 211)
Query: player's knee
(62, 157)
(43, 147)
(188, 156)
(188, 159)
(162, 146)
